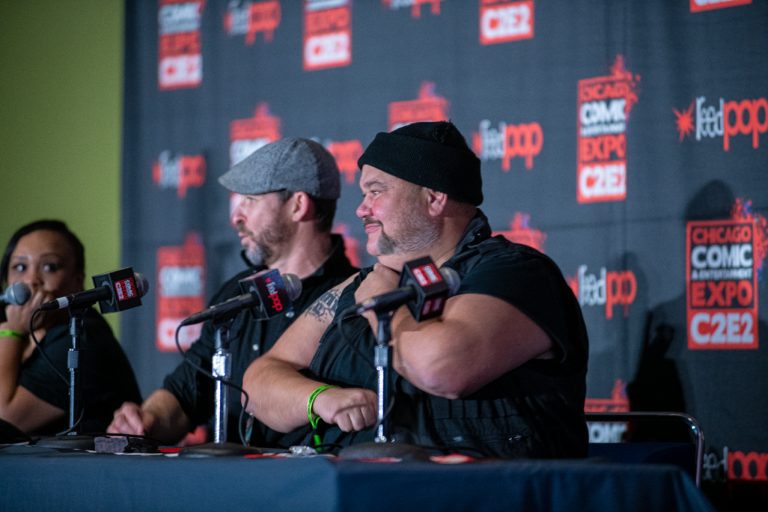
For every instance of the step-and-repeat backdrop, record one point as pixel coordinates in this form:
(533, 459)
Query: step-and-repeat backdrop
(625, 139)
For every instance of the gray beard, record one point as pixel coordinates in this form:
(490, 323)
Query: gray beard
(385, 244)
(257, 256)
(268, 242)
(422, 236)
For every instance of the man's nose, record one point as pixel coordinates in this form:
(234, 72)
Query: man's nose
(362, 209)
(237, 216)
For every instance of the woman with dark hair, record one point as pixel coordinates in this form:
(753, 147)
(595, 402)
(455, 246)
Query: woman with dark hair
(34, 379)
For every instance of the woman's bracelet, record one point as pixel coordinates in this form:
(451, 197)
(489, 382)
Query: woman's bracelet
(10, 333)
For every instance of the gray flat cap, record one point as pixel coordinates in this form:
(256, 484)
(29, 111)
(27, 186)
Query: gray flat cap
(298, 165)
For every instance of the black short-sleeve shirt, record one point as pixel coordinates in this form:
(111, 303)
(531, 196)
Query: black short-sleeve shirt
(105, 378)
(534, 410)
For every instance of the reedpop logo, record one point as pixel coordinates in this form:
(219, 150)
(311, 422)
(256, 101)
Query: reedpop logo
(735, 465)
(250, 18)
(508, 141)
(180, 172)
(726, 119)
(606, 288)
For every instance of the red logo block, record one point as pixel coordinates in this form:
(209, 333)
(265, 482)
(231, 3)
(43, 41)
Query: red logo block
(721, 278)
(503, 21)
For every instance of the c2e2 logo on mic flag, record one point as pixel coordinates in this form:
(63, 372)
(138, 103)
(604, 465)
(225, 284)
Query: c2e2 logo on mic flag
(432, 290)
(721, 285)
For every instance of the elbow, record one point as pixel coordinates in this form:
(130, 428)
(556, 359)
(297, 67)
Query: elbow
(6, 411)
(442, 382)
(9, 416)
(434, 373)
(4, 414)
(251, 375)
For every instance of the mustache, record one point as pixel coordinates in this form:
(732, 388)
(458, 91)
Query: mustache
(241, 229)
(370, 220)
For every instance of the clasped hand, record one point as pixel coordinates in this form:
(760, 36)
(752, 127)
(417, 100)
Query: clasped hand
(351, 409)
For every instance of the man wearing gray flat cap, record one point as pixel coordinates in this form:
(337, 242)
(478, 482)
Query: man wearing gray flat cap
(286, 194)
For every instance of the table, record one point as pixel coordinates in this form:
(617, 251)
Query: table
(33, 478)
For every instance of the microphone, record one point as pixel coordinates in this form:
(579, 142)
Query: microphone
(266, 294)
(115, 291)
(423, 288)
(17, 294)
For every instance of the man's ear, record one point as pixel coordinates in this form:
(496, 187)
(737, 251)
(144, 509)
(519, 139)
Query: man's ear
(302, 207)
(436, 201)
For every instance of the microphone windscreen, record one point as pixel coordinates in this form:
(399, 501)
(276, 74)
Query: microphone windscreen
(292, 285)
(18, 294)
(142, 285)
(452, 279)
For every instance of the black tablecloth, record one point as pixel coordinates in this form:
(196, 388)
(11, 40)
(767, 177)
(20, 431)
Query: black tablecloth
(33, 478)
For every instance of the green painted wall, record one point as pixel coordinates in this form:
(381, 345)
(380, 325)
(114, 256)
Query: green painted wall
(61, 73)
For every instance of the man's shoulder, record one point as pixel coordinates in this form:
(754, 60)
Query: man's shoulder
(318, 285)
(501, 248)
(503, 260)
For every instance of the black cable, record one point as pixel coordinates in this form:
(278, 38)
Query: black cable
(47, 359)
(73, 427)
(40, 348)
(210, 375)
(344, 315)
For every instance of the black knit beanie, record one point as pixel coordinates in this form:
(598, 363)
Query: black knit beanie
(431, 154)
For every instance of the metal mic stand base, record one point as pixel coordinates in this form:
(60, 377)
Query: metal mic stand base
(375, 450)
(67, 441)
(219, 450)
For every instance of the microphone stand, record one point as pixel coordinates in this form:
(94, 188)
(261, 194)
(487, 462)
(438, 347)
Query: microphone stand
(383, 445)
(72, 439)
(221, 368)
(382, 353)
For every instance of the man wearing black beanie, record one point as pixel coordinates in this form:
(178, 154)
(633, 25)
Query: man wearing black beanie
(501, 373)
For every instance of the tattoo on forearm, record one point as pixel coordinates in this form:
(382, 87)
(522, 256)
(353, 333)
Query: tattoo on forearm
(324, 307)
